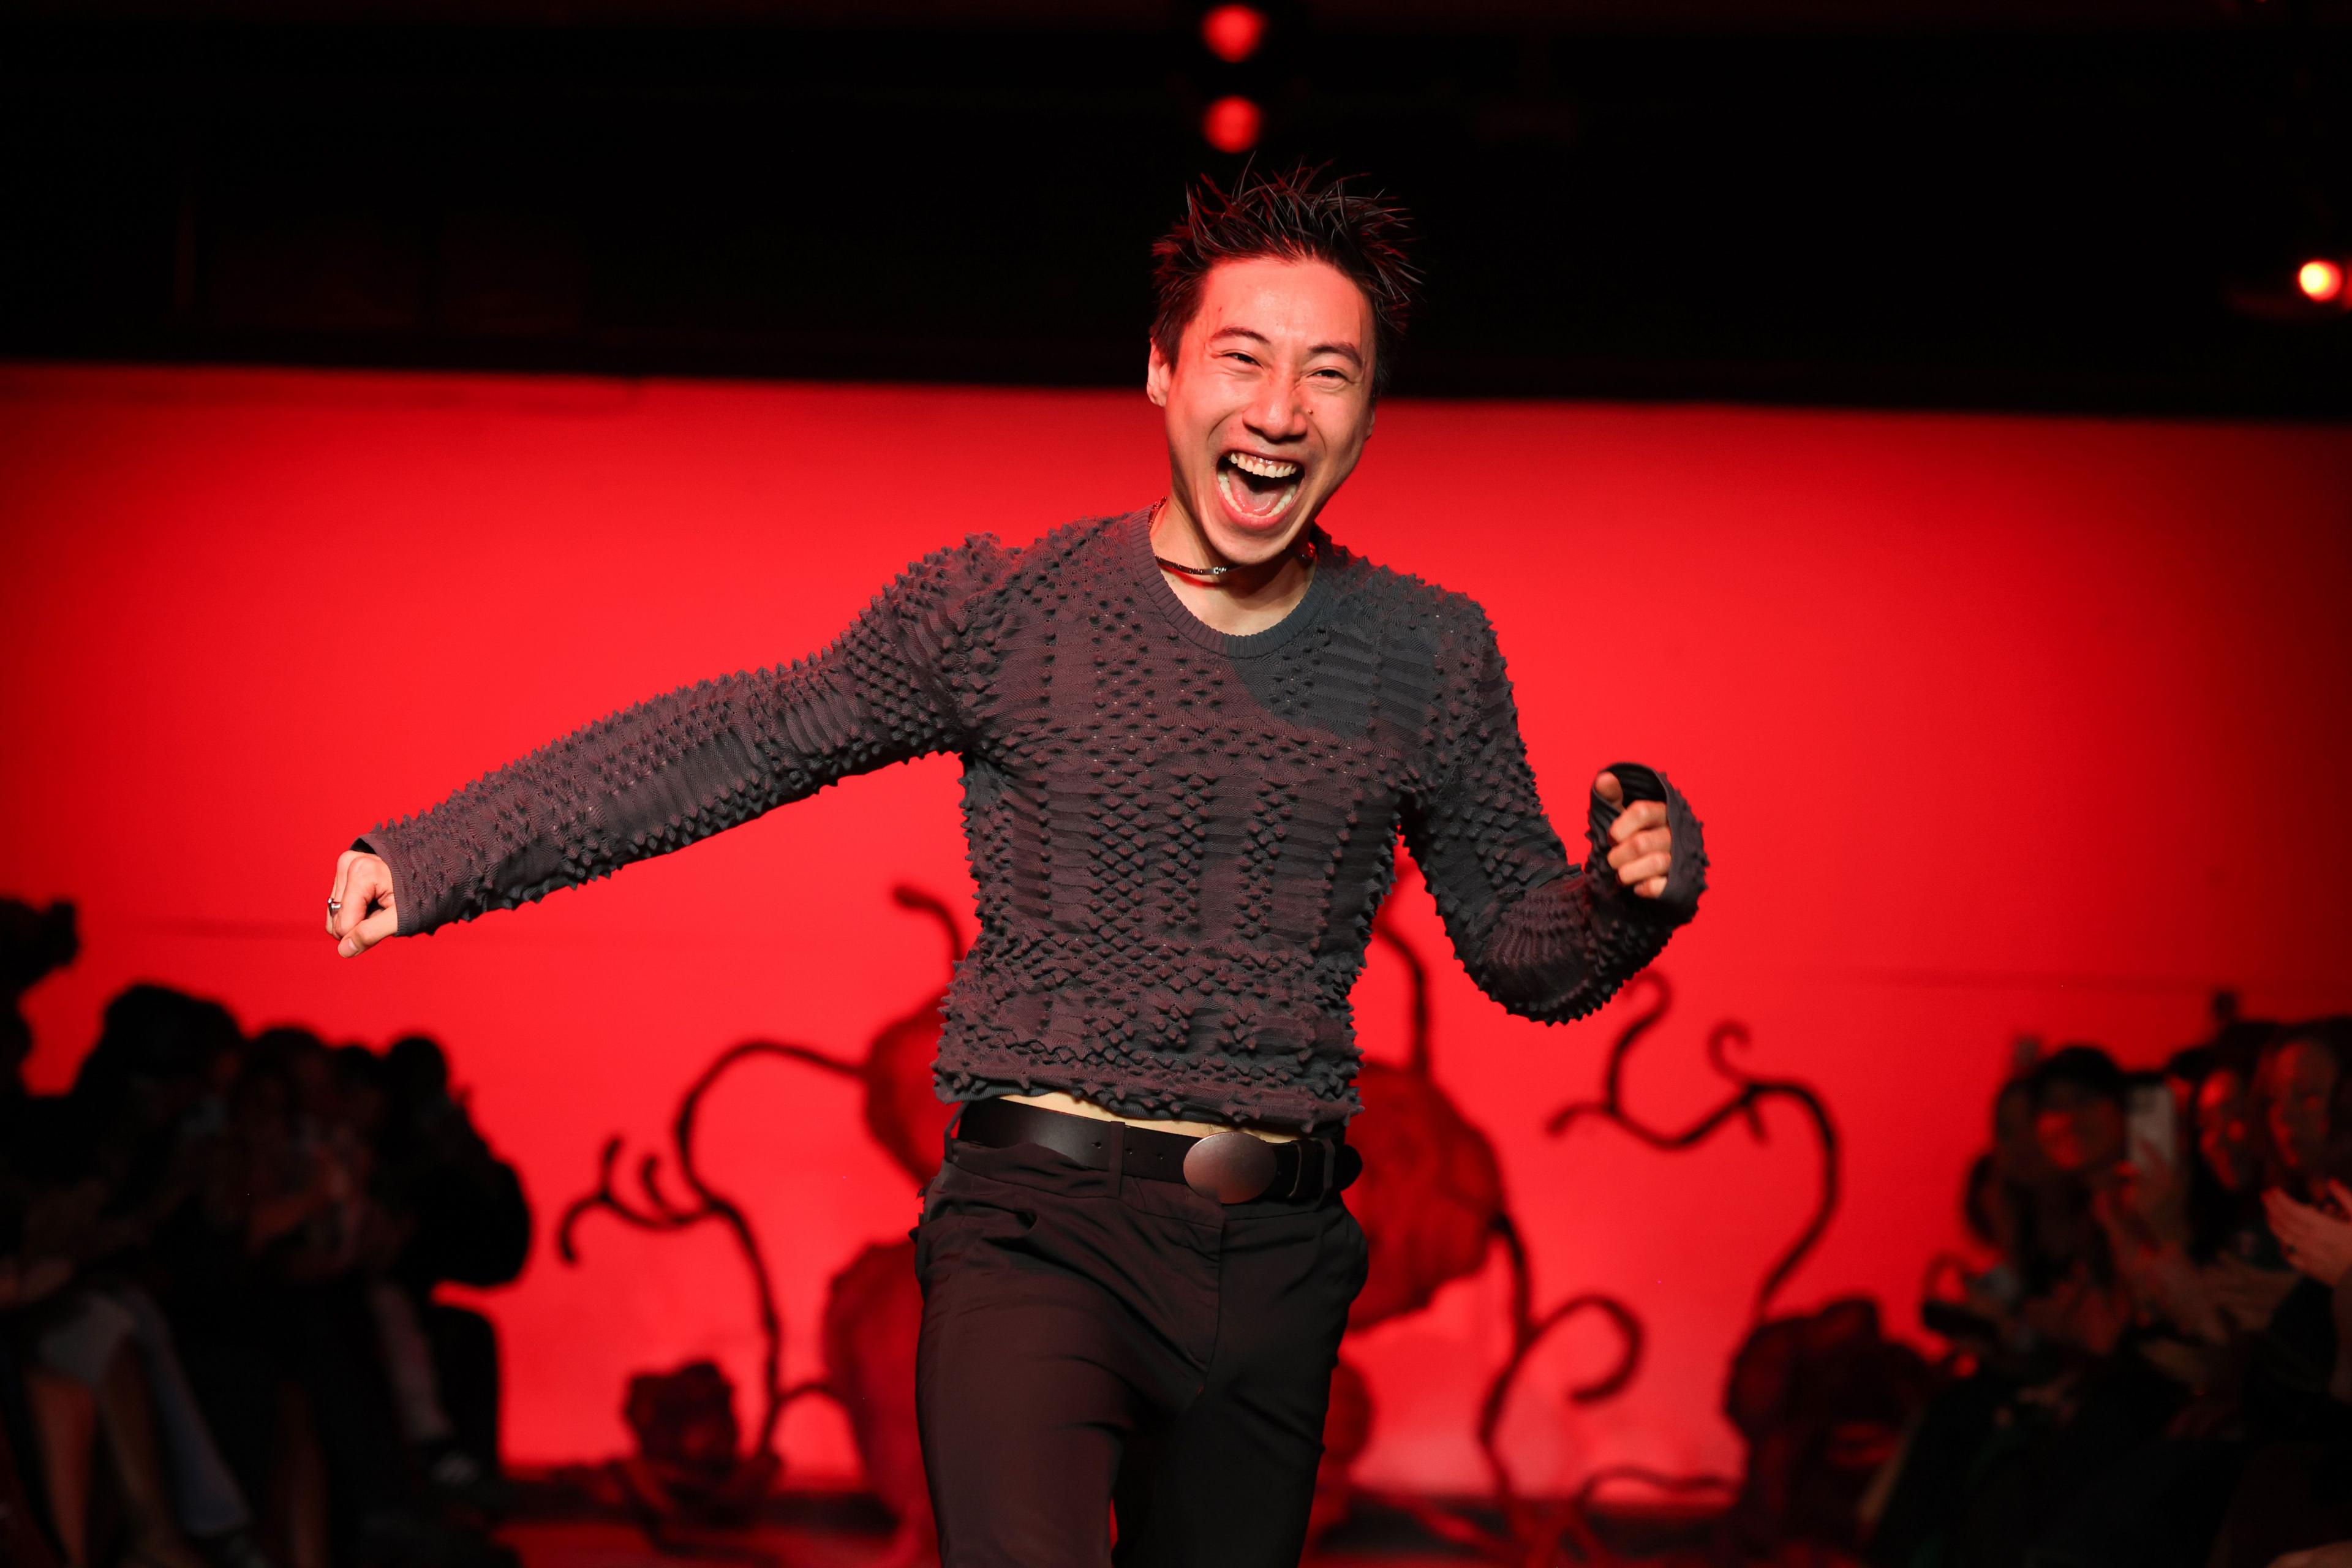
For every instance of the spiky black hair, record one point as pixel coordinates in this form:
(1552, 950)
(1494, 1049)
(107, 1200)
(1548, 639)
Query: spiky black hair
(1297, 215)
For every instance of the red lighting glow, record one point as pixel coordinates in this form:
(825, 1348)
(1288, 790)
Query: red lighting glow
(1233, 32)
(2319, 279)
(166, 520)
(1232, 124)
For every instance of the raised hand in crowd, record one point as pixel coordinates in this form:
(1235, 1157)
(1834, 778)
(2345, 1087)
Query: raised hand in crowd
(2250, 1296)
(2339, 1555)
(2316, 1242)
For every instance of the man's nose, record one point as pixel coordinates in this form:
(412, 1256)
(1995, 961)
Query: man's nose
(1279, 413)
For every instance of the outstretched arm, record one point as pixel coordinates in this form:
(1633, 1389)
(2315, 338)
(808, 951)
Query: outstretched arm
(1548, 938)
(667, 772)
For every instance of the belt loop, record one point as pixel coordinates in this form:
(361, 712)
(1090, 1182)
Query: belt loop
(1116, 1132)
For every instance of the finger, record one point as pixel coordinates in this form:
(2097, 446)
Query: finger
(367, 887)
(1644, 870)
(335, 889)
(1640, 817)
(1657, 841)
(1653, 887)
(351, 895)
(1606, 786)
(368, 933)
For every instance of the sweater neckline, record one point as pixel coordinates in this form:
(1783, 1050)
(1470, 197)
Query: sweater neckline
(1136, 545)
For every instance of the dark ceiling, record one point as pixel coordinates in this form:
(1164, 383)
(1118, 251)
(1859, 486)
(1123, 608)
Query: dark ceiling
(2081, 205)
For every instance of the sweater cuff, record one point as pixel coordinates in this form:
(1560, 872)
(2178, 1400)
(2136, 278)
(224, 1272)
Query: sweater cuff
(1685, 875)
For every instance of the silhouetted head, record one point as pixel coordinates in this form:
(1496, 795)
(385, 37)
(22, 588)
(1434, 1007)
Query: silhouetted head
(2227, 1139)
(417, 1070)
(2079, 1095)
(299, 1057)
(34, 943)
(2295, 1088)
(155, 1049)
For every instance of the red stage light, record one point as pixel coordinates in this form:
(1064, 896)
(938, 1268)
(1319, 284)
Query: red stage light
(1232, 124)
(1233, 32)
(2320, 280)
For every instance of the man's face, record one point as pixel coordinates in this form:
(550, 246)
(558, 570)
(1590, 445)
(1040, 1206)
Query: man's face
(2225, 1130)
(1269, 401)
(2082, 1131)
(2297, 1084)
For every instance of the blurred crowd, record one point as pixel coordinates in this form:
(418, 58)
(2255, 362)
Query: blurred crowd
(219, 1340)
(2156, 1356)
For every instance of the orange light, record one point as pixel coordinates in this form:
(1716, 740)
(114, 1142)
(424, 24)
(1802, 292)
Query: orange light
(1232, 124)
(2320, 280)
(1233, 32)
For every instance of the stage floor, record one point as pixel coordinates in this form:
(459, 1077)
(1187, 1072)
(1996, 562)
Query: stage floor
(600, 1542)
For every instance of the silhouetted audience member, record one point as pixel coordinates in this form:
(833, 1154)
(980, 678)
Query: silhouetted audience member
(217, 1260)
(2172, 1386)
(1966, 1480)
(470, 1225)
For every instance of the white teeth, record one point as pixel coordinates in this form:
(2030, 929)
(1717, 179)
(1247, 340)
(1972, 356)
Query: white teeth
(1263, 468)
(1225, 489)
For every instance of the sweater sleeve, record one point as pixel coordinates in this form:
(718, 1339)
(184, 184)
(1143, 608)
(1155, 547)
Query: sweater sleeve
(681, 767)
(1549, 938)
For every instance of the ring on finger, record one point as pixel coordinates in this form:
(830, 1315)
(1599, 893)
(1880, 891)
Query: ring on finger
(334, 906)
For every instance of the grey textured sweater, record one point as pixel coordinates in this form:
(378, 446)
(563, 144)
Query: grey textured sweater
(1180, 837)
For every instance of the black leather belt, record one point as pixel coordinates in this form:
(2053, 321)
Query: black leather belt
(1231, 1167)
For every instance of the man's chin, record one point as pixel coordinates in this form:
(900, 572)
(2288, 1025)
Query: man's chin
(1249, 542)
(1242, 547)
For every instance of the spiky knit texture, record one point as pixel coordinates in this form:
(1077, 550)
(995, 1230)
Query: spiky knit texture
(1180, 837)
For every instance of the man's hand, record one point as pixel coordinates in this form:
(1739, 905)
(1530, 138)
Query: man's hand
(1644, 851)
(360, 910)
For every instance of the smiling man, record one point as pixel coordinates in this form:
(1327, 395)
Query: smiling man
(1192, 736)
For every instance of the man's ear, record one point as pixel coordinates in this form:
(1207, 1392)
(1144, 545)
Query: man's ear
(1156, 371)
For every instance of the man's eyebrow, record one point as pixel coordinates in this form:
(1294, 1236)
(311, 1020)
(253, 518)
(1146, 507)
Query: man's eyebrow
(1256, 337)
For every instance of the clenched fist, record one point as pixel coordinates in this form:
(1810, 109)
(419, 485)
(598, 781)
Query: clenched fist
(1642, 850)
(360, 910)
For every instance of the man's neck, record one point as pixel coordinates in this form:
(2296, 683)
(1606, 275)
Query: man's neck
(1246, 599)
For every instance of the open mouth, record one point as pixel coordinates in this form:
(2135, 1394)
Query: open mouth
(1257, 490)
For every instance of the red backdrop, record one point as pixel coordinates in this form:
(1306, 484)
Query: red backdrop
(1995, 724)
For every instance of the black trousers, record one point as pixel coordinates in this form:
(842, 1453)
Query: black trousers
(1092, 1344)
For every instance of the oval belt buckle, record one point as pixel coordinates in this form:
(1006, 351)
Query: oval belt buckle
(1231, 1167)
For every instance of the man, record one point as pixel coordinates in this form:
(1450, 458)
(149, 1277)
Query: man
(1191, 737)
